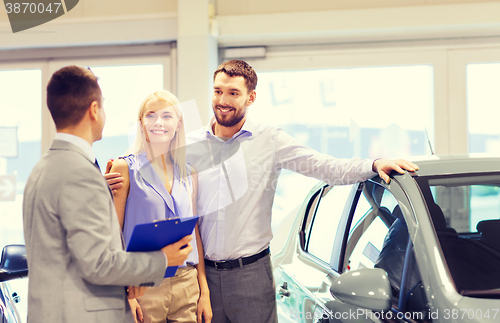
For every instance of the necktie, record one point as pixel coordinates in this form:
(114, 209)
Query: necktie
(96, 164)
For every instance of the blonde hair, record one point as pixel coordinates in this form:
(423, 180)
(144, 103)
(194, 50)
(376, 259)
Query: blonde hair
(177, 149)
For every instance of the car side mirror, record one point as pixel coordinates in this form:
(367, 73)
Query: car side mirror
(13, 262)
(366, 288)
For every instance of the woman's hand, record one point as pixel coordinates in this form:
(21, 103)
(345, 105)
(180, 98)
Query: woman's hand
(204, 308)
(115, 180)
(136, 310)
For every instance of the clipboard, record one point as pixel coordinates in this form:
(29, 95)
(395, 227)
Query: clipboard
(154, 236)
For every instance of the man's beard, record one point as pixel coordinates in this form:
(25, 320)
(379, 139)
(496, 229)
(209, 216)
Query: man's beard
(230, 121)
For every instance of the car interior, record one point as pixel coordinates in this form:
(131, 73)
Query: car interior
(473, 259)
(396, 254)
(378, 238)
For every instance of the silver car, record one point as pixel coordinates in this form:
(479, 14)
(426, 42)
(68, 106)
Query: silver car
(13, 265)
(424, 248)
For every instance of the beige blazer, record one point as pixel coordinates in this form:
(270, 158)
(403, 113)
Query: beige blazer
(78, 269)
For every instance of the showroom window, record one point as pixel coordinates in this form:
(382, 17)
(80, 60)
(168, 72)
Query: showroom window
(483, 107)
(125, 83)
(20, 142)
(363, 112)
(124, 88)
(367, 112)
(21, 131)
(27, 129)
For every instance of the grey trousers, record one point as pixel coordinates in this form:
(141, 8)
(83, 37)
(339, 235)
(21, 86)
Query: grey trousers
(243, 295)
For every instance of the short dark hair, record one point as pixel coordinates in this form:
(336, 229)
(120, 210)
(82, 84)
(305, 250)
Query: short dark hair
(238, 67)
(70, 92)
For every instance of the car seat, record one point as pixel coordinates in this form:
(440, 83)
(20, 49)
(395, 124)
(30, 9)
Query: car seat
(490, 233)
(472, 264)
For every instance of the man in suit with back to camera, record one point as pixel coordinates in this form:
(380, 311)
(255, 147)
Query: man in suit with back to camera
(78, 268)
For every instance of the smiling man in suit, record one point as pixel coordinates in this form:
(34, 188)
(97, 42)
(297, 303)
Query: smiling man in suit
(78, 269)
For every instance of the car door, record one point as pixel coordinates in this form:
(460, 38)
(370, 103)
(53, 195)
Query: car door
(374, 236)
(324, 234)
(360, 237)
(341, 230)
(8, 311)
(300, 274)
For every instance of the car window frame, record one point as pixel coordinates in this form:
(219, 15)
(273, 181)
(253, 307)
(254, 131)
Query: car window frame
(342, 264)
(396, 189)
(345, 225)
(308, 222)
(309, 214)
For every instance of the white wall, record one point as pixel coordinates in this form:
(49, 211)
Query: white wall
(239, 7)
(94, 22)
(454, 20)
(263, 22)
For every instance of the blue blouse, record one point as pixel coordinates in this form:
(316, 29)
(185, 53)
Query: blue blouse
(148, 199)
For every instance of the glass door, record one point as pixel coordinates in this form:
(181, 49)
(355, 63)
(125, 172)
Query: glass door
(349, 103)
(124, 83)
(20, 149)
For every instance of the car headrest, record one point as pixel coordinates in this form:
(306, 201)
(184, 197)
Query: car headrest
(489, 230)
(397, 213)
(437, 216)
(488, 225)
(386, 215)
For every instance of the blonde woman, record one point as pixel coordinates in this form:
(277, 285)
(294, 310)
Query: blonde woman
(157, 185)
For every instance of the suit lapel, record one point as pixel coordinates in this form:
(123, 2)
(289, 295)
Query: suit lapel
(64, 145)
(150, 176)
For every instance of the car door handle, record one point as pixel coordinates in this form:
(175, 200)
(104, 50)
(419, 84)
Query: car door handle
(284, 292)
(16, 298)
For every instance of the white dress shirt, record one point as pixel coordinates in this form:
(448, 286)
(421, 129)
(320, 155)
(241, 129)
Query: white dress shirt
(79, 142)
(237, 183)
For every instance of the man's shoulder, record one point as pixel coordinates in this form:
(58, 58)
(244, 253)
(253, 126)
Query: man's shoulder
(59, 169)
(69, 158)
(260, 128)
(255, 128)
(65, 165)
(196, 135)
(261, 131)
